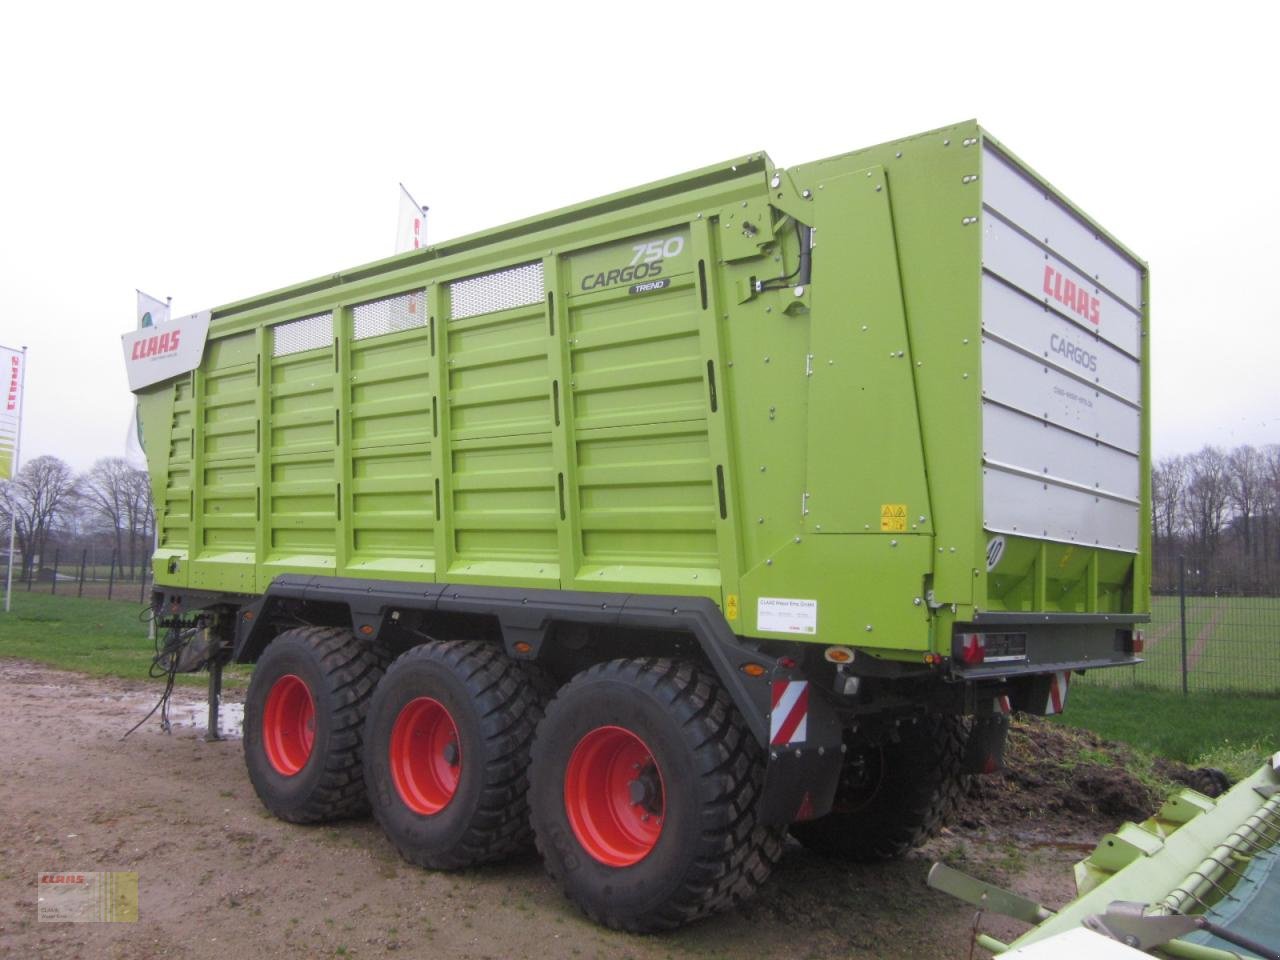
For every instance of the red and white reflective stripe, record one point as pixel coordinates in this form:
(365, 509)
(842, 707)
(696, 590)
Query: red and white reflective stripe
(1058, 684)
(789, 722)
(1003, 705)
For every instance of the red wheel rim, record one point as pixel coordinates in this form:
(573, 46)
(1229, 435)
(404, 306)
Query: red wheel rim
(426, 756)
(614, 796)
(289, 724)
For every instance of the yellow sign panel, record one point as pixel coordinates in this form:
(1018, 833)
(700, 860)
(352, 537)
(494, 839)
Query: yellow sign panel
(893, 518)
(731, 607)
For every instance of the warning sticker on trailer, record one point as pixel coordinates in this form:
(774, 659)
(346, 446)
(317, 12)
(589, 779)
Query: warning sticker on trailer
(893, 518)
(786, 615)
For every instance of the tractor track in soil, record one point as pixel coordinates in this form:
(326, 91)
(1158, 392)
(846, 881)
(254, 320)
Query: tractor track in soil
(219, 877)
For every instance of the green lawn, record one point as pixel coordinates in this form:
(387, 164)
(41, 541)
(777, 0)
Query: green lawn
(1233, 643)
(105, 638)
(1203, 729)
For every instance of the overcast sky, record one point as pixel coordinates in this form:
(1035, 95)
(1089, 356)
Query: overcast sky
(216, 151)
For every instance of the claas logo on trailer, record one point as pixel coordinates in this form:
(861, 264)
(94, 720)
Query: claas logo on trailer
(161, 345)
(1066, 292)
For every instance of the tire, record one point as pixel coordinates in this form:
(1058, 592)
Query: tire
(304, 722)
(462, 800)
(894, 796)
(679, 840)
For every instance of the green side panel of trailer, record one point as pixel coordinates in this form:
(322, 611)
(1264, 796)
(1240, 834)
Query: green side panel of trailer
(636, 394)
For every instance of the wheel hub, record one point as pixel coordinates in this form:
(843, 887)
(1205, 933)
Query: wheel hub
(614, 796)
(646, 791)
(861, 776)
(425, 756)
(289, 725)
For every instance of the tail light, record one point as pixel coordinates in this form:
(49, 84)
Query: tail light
(1131, 642)
(973, 648)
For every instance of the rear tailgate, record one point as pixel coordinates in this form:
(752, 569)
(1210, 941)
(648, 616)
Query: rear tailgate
(1062, 417)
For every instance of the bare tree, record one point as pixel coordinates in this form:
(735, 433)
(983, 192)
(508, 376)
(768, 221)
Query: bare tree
(1208, 498)
(38, 498)
(139, 518)
(1168, 487)
(1220, 509)
(103, 493)
(119, 497)
(1271, 503)
(1245, 467)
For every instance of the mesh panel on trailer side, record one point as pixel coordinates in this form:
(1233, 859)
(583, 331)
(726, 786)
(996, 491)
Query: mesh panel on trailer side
(379, 317)
(297, 336)
(501, 290)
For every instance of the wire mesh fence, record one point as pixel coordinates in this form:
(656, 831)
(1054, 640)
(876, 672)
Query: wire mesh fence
(76, 576)
(1203, 639)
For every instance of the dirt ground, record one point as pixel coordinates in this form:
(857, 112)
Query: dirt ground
(220, 878)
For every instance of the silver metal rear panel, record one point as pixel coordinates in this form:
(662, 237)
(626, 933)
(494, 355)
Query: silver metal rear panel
(1011, 317)
(1061, 377)
(1024, 202)
(1027, 266)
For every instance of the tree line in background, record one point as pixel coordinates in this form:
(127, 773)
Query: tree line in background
(105, 510)
(1221, 510)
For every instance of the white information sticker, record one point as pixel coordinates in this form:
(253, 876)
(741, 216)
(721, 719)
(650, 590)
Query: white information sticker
(786, 615)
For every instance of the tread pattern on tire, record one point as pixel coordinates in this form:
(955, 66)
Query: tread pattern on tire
(510, 706)
(353, 669)
(737, 854)
(922, 795)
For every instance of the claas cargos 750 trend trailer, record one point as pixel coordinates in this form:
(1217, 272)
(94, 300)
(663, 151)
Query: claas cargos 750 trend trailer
(743, 501)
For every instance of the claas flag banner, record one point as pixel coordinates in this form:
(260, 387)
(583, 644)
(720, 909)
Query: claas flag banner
(151, 313)
(411, 231)
(11, 369)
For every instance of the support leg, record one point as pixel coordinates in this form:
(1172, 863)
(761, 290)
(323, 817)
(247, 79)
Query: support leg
(215, 698)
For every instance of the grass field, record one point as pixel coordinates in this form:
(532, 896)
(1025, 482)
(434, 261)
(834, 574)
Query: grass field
(1204, 729)
(1233, 645)
(105, 638)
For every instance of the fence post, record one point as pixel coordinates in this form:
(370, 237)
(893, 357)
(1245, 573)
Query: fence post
(83, 557)
(142, 586)
(1182, 616)
(54, 588)
(111, 577)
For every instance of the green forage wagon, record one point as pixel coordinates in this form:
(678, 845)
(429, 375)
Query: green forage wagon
(743, 502)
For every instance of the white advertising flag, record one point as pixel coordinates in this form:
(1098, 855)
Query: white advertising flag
(133, 451)
(151, 312)
(11, 371)
(412, 231)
